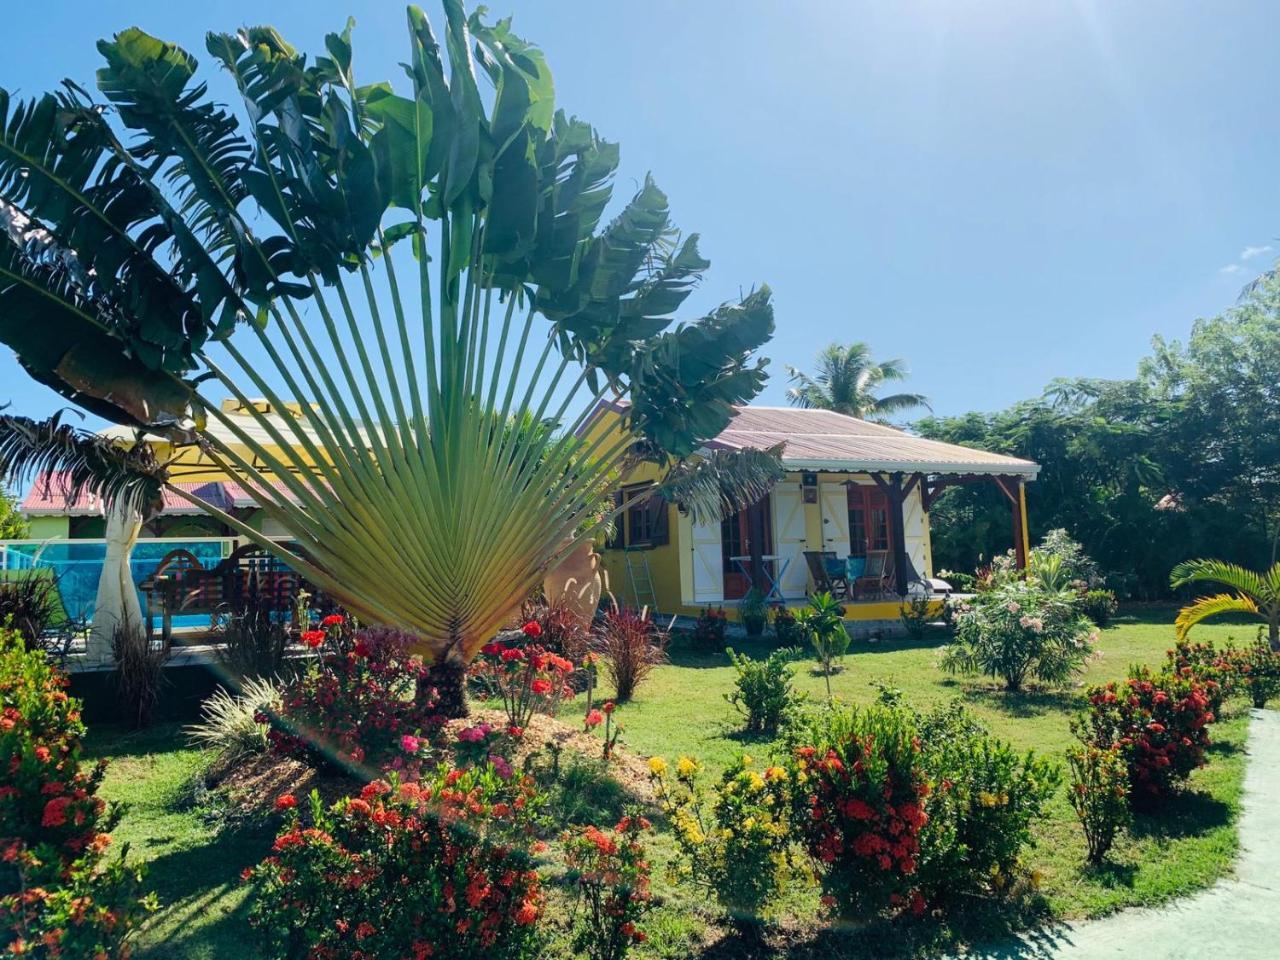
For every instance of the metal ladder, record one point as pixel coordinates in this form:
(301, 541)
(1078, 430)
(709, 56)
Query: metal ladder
(639, 579)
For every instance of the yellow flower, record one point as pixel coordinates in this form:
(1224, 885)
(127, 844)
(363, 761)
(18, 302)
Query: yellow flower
(746, 760)
(727, 833)
(749, 823)
(1037, 878)
(756, 781)
(774, 774)
(686, 767)
(987, 799)
(657, 766)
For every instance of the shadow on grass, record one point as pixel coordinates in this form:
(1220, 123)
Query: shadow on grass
(1185, 814)
(192, 885)
(1014, 929)
(1026, 703)
(1111, 875)
(110, 741)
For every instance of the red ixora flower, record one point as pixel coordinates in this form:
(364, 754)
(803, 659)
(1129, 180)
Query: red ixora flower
(532, 629)
(593, 719)
(361, 649)
(609, 707)
(286, 801)
(541, 687)
(313, 638)
(333, 620)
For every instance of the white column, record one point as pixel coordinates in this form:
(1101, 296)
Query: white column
(117, 600)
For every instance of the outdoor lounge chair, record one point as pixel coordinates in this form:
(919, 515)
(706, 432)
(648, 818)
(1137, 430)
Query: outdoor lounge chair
(922, 586)
(874, 579)
(827, 573)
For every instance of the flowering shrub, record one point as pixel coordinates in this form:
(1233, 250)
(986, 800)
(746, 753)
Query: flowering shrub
(526, 679)
(630, 646)
(478, 745)
(732, 839)
(438, 869)
(356, 701)
(563, 632)
(610, 878)
(1258, 670)
(762, 693)
(1159, 722)
(1016, 631)
(57, 895)
(709, 629)
(858, 800)
(786, 629)
(1205, 663)
(984, 797)
(1099, 795)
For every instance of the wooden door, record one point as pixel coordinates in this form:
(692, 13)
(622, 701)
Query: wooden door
(835, 519)
(708, 577)
(869, 527)
(791, 538)
(735, 541)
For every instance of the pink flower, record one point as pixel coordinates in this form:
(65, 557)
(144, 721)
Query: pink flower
(409, 743)
(501, 767)
(474, 734)
(594, 719)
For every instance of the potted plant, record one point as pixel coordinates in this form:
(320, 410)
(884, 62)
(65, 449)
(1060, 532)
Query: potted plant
(753, 612)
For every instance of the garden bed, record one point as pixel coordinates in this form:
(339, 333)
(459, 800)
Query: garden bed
(197, 842)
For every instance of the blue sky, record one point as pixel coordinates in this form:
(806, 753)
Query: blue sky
(1000, 192)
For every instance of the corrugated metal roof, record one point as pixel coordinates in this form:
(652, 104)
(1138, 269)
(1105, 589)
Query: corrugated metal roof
(48, 497)
(825, 440)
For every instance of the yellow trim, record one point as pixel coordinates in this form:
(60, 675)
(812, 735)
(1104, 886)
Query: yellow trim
(1022, 509)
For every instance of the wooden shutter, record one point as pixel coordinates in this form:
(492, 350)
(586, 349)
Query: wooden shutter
(659, 529)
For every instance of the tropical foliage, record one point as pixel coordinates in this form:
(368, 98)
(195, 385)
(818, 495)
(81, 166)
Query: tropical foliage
(1181, 460)
(1256, 594)
(418, 280)
(846, 379)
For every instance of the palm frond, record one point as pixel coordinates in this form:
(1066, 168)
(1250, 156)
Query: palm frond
(1232, 575)
(723, 482)
(73, 462)
(1206, 607)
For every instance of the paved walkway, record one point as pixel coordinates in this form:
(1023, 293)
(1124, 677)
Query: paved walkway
(1238, 919)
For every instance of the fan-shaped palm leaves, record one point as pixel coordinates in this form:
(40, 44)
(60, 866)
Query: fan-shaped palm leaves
(158, 243)
(1257, 594)
(846, 380)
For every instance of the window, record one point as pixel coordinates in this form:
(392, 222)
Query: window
(644, 521)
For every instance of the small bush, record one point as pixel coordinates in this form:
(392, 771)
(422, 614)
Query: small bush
(1158, 721)
(709, 629)
(59, 896)
(139, 671)
(1099, 795)
(1099, 606)
(731, 839)
(610, 878)
(984, 797)
(960, 582)
(437, 869)
(354, 704)
(526, 679)
(823, 623)
(229, 723)
(1019, 632)
(1205, 662)
(253, 636)
(753, 612)
(564, 633)
(630, 645)
(1258, 669)
(29, 605)
(859, 807)
(786, 628)
(762, 692)
(916, 616)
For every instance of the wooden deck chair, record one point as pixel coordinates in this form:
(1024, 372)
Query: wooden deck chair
(874, 581)
(823, 571)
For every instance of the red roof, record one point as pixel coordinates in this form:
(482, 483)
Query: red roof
(48, 497)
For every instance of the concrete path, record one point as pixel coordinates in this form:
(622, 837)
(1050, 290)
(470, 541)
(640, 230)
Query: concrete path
(1238, 919)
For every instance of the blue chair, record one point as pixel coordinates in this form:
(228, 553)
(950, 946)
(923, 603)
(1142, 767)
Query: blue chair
(854, 567)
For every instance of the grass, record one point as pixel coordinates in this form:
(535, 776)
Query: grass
(195, 865)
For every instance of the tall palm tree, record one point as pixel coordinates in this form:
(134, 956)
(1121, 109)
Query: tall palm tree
(1256, 593)
(846, 380)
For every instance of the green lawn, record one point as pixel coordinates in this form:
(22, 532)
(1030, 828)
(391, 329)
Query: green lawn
(196, 857)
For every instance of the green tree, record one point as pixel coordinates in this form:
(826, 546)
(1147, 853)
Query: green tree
(13, 525)
(410, 265)
(846, 381)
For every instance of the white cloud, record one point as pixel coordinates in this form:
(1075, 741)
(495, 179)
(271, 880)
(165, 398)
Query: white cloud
(1248, 253)
(1230, 268)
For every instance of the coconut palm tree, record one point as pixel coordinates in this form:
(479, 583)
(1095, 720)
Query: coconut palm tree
(1256, 593)
(846, 380)
(411, 267)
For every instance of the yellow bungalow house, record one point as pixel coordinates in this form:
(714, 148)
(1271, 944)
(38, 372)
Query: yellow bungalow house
(852, 489)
